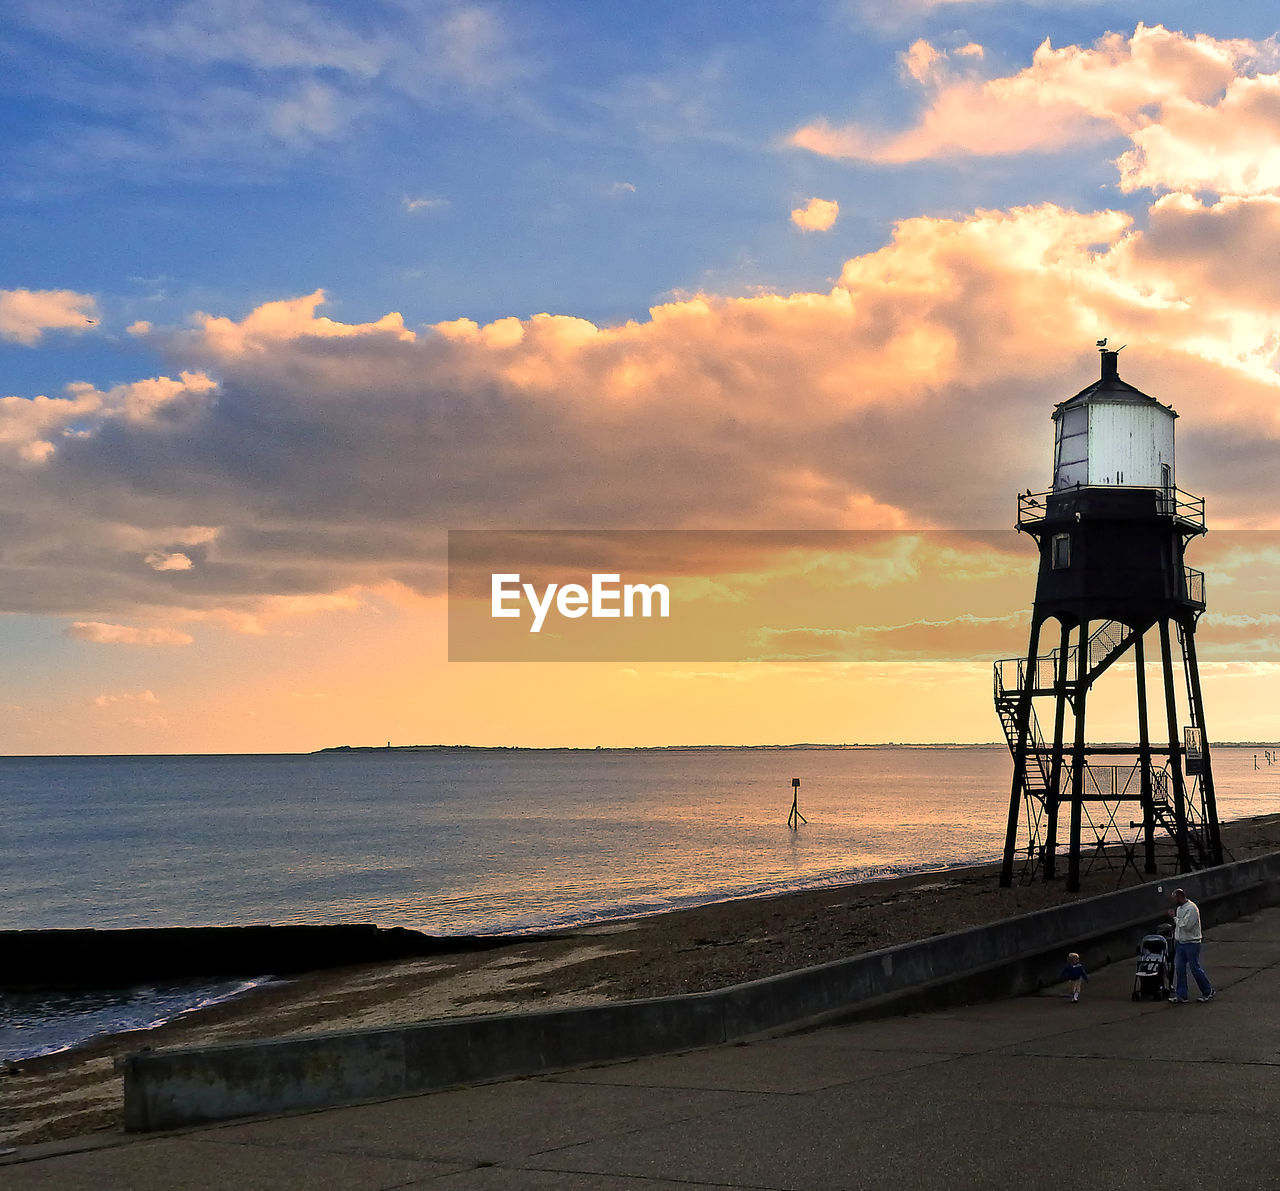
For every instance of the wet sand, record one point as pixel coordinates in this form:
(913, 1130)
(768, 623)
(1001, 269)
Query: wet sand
(79, 1092)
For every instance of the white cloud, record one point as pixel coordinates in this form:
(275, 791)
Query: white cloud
(896, 14)
(26, 314)
(119, 634)
(414, 205)
(819, 215)
(310, 112)
(280, 36)
(472, 48)
(163, 560)
(685, 101)
(214, 85)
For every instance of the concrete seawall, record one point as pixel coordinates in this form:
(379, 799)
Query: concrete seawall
(165, 1089)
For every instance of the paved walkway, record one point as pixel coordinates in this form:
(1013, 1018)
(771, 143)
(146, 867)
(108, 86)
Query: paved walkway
(1032, 1092)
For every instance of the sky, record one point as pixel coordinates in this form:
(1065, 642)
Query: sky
(291, 290)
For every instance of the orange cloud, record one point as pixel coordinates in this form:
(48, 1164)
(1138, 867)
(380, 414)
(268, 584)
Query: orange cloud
(26, 314)
(1230, 145)
(960, 638)
(27, 423)
(30, 426)
(276, 322)
(111, 700)
(914, 393)
(819, 215)
(1181, 100)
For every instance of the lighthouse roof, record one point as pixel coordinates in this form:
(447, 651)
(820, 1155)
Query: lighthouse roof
(1111, 389)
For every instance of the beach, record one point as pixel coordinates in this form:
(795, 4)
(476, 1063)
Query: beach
(78, 1092)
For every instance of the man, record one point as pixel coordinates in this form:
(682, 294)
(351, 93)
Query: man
(1186, 942)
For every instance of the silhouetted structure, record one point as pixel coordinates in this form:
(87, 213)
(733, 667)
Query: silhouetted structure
(1112, 532)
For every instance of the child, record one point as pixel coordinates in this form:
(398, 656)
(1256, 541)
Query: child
(1074, 971)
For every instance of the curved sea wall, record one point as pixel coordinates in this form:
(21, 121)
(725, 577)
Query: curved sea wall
(164, 1089)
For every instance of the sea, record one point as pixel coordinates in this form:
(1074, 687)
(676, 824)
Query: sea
(473, 841)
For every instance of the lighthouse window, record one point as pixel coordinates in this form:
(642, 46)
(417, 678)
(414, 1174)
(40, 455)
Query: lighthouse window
(1061, 551)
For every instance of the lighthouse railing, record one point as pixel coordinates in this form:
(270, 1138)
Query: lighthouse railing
(1194, 585)
(1011, 676)
(1032, 507)
(1183, 507)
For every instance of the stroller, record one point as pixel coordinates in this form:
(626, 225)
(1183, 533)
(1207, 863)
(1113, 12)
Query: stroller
(1153, 972)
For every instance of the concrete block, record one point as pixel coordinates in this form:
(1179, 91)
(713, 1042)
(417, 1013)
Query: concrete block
(163, 1089)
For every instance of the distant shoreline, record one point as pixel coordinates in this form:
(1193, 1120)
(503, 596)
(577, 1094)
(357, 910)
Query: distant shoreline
(702, 748)
(635, 748)
(363, 749)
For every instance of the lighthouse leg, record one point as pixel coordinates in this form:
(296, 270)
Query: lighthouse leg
(1175, 754)
(1025, 688)
(1077, 756)
(1144, 758)
(1060, 679)
(1214, 841)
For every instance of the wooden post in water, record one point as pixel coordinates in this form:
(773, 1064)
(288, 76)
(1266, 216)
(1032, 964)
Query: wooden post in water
(795, 818)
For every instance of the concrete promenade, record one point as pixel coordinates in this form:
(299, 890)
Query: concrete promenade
(1030, 1092)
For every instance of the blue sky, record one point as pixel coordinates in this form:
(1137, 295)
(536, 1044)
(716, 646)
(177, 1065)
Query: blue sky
(574, 158)
(215, 479)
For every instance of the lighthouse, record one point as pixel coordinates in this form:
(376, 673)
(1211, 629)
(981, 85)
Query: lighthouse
(1112, 532)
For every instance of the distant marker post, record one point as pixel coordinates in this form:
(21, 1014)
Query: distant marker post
(795, 818)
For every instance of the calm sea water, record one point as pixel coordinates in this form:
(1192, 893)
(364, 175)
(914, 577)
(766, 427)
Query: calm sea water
(461, 842)
(474, 842)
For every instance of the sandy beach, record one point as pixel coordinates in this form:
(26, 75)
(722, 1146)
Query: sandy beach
(78, 1091)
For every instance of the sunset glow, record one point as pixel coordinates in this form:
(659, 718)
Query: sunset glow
(323, 285)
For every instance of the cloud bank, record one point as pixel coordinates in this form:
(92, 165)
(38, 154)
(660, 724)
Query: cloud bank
(294, 456)
(289, 461)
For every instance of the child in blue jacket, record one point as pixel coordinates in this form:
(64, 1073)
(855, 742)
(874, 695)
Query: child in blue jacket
(1074, 971)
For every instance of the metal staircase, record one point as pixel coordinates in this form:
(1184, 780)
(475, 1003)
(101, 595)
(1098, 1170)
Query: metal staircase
(1015, 690)
(1106, 644)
